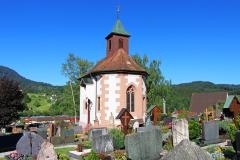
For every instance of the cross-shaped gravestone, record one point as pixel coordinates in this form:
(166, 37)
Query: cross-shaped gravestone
(126, 119)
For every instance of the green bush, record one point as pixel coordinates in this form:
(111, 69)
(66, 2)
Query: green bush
(120, 155)
(87, 144)
(194, 129)
(91, 156)
(118, 138)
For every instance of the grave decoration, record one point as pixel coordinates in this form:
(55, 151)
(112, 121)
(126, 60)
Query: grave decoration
(125, 117)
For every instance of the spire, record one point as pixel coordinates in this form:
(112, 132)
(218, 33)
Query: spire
(118, 27)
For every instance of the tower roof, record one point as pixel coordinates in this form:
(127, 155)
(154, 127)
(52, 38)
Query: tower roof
(119, 29)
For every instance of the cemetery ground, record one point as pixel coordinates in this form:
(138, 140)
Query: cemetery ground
(213, 139)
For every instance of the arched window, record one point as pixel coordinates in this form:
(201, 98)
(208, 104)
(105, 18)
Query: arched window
(109, 45)
(130, 99)
(120, 43)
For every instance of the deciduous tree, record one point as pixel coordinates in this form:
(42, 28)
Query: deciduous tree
(11, 101)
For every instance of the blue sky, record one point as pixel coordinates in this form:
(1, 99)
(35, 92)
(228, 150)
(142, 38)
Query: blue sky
(194, 39)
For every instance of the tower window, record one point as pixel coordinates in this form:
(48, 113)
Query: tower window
(130, 99)
(99, 103)
(120, 43)
(109, 44)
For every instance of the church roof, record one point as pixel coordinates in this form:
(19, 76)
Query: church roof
(119, 29)
(119, 62)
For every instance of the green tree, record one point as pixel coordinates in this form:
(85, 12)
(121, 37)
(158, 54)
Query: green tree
(73, 68)
(157, 87)
(11, 101)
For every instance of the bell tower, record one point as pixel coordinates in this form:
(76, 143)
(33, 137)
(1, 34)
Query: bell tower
(118, 38)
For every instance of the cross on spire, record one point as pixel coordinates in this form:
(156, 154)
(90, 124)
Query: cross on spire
(118, 12)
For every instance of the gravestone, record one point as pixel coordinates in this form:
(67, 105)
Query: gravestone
(29, 144)
(135, 125)
(187, 150)
(146, 143)
(103, 144)
(179, 131)
(47, 152)
(238, 144)
(78, 130)
(96, 132)
(42, 132)
(3, 130)
(111, 121)
(210, 132)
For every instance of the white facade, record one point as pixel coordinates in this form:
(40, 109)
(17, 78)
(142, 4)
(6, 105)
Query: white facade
(111, 89)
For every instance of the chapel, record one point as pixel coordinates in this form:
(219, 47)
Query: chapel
(115, 82)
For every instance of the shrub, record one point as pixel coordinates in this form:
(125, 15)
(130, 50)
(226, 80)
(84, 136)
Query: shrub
(120, 155)
(194, 129)
(91, 156)
(118, 138)
(86, 144)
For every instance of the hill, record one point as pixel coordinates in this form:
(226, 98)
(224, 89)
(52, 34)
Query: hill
(182, 92)
(28, 85)
(187, 89)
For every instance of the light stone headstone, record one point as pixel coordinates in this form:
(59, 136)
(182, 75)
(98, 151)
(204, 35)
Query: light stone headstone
(135, 125)
(47, 152)
(3, 130)
(146, 143)
(103, 144)
(179, 131)
(111, 121)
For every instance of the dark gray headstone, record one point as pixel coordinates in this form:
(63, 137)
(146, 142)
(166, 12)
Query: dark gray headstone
(42, 132)
(145, 144)
(103, 144)
(210, 132)
(238, 144)
(96, 132)
(78, 129)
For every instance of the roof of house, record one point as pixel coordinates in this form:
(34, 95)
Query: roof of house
(123, 110)
(229, 101)
(151, 108)
(200, 101)
(119, 62)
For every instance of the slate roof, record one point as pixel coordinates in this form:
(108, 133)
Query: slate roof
(119, 62)
(200, 101)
